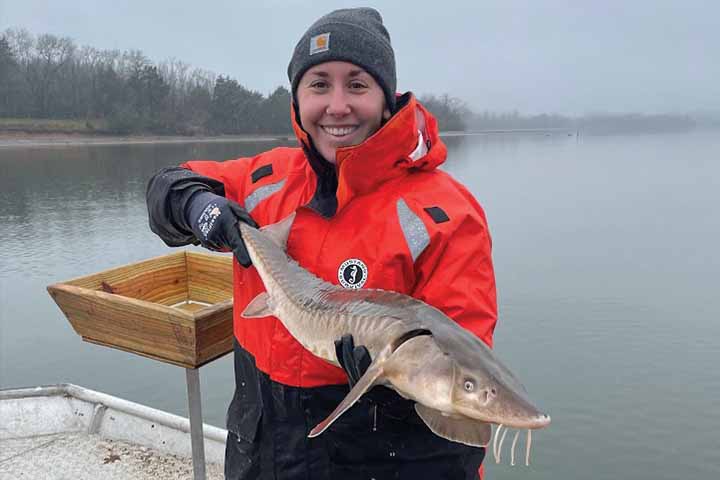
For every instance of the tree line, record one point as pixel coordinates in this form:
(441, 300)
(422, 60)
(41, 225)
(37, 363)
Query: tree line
(454, 114)
(51, 77)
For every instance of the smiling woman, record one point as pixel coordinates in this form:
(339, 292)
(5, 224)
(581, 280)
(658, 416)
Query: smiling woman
(340, 105)
(372, 211)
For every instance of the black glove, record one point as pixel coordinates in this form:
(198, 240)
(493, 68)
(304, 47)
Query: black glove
(354, 360)
(214, 221)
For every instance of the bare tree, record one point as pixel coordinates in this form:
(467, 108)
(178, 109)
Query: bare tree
(53, 54)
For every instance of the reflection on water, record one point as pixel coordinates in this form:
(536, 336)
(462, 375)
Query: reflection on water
(605, 252)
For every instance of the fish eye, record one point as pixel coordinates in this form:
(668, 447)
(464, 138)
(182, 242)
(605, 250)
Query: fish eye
(469, 386)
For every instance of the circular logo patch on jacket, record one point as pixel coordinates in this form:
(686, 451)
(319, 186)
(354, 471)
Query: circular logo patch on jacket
(352, 273)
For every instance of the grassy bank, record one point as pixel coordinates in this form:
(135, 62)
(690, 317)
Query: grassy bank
(33, 132)
(52, 126)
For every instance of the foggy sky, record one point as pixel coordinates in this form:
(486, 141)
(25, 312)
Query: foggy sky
(570, 57)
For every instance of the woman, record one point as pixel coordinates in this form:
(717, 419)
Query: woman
(373, 211)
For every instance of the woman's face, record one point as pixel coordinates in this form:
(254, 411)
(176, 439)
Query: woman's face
(340, 105)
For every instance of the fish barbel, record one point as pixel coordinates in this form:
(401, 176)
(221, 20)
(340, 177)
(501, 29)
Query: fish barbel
(458, 384)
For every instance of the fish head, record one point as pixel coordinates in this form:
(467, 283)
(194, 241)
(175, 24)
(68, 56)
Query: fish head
(418, 370)
(467, 380)
(487, 391)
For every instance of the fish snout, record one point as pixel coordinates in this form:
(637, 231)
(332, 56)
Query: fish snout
(524, 422)
(541, 421)
(530, 418)
(513, 409)
(529, 422)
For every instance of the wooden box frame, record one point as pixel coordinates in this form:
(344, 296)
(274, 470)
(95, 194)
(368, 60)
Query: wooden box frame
(176, 308)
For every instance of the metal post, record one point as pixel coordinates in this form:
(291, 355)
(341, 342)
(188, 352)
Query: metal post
(197, 438)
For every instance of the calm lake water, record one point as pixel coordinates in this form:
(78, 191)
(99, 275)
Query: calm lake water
(607, 258)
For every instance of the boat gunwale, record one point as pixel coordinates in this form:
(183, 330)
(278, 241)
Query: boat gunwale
(144, 412)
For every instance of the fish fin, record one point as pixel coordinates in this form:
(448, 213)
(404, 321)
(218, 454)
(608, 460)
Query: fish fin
(458, 429)
(366, 382)
(279, 232)
(258, 307)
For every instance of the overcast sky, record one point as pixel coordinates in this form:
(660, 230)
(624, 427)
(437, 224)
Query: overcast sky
(571, 57)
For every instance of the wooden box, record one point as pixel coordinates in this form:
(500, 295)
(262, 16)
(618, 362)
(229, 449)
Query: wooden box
(176, 308)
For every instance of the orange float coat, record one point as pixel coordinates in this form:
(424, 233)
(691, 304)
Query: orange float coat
(413, 227)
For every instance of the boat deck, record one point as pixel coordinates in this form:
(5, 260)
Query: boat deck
(68, 432)
(84, 456)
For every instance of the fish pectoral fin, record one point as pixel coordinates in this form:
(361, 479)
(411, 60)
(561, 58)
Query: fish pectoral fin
(258, 307)
(366, 382)
(457, 429)
(280, 231)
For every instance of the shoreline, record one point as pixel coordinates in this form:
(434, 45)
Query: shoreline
(30, 140)
(40, 140)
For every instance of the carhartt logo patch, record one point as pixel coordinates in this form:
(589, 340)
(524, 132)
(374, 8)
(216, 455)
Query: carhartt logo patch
(352, 273)
(320, 43)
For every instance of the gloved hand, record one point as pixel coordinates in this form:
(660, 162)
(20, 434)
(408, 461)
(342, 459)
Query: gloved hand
(214, 221)
(354, 360)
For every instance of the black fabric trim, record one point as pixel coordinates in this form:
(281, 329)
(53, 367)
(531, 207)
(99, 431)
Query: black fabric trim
(402, 101)
(246, 407)
(261, 172)
(437, 214)
(324, 200)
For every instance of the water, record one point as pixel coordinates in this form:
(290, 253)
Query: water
(606, 256)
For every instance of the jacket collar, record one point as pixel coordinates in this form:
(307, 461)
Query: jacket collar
(387, 154)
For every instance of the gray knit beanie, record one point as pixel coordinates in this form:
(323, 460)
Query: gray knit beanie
(355, 35)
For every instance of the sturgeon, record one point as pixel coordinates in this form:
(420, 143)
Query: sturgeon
(460, 388)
